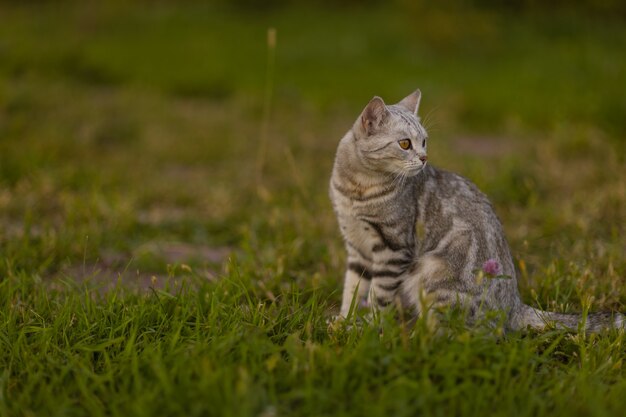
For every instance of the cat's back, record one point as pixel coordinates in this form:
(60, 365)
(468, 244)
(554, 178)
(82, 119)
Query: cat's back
(454, 215)
(452, 194)
(449, 203)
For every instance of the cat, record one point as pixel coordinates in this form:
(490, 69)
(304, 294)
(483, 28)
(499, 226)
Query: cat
(420, 235)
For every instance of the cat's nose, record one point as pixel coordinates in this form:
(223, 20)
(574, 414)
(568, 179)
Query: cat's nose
(423, 158)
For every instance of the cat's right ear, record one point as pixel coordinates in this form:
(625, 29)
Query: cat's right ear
(373, 115)
(412, 101)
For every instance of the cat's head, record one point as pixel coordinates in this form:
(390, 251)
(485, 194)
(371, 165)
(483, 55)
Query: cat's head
(390, 139)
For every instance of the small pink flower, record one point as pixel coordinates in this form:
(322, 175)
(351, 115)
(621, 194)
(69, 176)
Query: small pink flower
(491, 267)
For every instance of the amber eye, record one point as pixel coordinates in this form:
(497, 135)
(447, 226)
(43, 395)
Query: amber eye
(405, 144)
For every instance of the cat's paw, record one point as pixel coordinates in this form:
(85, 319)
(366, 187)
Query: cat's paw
(336, 323)
(341, 323)
(337, 318)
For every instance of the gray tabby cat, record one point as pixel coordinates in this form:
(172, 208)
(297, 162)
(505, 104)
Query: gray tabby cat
(418, 234)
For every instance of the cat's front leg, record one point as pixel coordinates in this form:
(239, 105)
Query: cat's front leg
(383, 290)
(356, 282)
(388, 274)
(355, 288)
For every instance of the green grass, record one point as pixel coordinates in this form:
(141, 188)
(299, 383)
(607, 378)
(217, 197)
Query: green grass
(225, 349)
(128, 170)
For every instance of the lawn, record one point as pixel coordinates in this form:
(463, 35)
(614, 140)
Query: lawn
(167, 245)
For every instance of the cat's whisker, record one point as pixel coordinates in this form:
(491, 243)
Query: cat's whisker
(404, 176)
(426, 119)
(430, 124)
(393, 175)
(398, 181)
(398, 178)
(391, 178)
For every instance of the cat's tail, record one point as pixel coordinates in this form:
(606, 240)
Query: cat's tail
(526, 316)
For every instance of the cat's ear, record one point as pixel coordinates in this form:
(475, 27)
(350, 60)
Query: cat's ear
(412, 102)
(373, 115)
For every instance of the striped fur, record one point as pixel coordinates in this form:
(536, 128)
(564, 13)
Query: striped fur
(418, 234)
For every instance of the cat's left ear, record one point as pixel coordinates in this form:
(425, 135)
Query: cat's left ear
(373, 115)
(412, 102)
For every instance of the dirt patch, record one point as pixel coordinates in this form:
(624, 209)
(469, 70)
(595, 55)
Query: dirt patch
(102, 279)
(176, 252)
(116, 269)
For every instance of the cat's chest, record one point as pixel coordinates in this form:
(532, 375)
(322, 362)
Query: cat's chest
(382, 217)
(368, 227)
(355, 221)
(358, 232)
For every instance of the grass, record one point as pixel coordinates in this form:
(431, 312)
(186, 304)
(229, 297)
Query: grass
(225, 349)
(129, 169)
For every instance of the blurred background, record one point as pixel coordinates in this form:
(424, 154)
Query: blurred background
(148, 139)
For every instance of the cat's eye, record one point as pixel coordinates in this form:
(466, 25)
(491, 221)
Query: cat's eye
(405, 144)
(423, 143)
